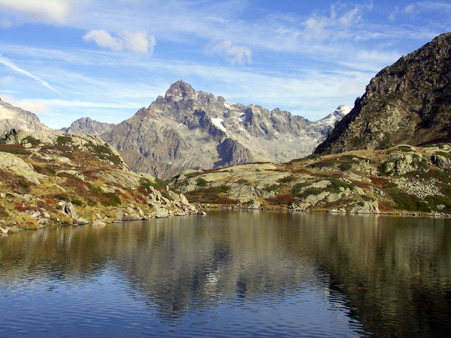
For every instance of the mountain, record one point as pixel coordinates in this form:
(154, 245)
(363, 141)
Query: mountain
(56, 179)
(408, 102)
(189, 129)
(86, 125)
(16, 118)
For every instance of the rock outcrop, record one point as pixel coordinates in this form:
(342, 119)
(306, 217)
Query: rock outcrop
(56, 179)
(16, 118)
(408, 102)
(399, 180)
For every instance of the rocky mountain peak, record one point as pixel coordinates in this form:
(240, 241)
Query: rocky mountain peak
(189, 129)
(408, 102)
(86, 125)
(180, 90)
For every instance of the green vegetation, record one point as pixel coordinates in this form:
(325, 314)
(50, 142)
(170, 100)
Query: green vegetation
(63, 140)
(24, 183)
(243, 181)
(366, 198)
(50, 170)
(439, 203)
(345, 166)
(211, 195)
(385, 143)
(159, 184)
(286, 179)
(405, 201)
(33, 141)
(15, 149)
(104, 152)
(200, 182)
(77, 202)
(299, 186)
(335, 185)
(406, 149)
(310, 191)
(272, 187)
(105, 198)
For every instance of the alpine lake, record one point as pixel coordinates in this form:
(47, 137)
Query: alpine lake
(230, 274)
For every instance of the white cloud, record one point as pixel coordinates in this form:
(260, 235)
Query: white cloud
(36, 107)
(48, 11)
(6, 80)
(8, 63)
(240, 55)
(138, 42)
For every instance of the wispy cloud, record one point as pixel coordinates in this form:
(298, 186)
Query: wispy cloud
(16, 68)
(236, 55)
(138, 42)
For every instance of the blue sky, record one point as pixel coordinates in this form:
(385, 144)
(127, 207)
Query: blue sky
(65, 59)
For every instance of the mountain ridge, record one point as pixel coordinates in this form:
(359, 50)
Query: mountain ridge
(189, 129)
(407, 102)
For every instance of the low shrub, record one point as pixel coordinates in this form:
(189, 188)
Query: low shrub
(335, 185)
(298, 187)
(345, 166)
(77, 202)
(63, 140)
(310, 191)
(435, 201)
(15, 149)
(24, 183)
(286, 179)
(200, 182)
(110, 199)
(280, 199)
(33, 141)
(104, 152)
(272, 187)
(404, 201)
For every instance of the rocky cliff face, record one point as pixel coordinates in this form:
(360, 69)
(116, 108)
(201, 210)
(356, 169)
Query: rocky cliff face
(86, 125)
(55, 179)
(16, 118)
(189, 129)
(408, 102)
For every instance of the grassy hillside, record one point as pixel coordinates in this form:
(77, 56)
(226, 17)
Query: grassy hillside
(75, 179)
(395, 180)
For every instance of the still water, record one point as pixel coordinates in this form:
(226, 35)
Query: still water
(242, 274)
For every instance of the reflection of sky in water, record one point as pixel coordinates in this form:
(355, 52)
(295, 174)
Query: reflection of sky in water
(228, 274)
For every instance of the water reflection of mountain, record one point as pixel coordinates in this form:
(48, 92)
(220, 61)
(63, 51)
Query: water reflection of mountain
(393, 273)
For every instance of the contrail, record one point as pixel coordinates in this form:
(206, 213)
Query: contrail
(11, 65)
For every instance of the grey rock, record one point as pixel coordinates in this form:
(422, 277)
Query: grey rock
(69, 209)
(407, 102)
(189, 129)
(86, 125)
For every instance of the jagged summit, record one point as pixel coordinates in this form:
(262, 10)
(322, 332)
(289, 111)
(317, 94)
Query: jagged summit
(180, 90)
(407, 102)
(86, 125)
(189, 129)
